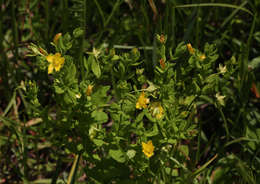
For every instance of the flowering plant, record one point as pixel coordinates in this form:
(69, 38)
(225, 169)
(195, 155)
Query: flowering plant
(123, 121)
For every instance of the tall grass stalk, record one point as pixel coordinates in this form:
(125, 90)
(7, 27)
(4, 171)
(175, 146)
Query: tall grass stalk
(73, 171)
(100, 12)
(84, 17)
(215, 5)
(14, 30)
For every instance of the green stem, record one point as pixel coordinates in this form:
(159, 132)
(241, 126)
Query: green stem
(225, 122)
(84, 16)
(199, 141)
(57, 171)
(100, 12)
(118, 2)
(25, 166)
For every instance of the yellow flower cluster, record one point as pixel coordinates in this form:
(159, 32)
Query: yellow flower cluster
(148, 148)
(142, 101)
(55, 62)
(155, 108)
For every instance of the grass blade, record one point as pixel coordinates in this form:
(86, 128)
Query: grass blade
(73, 170)
(215, 5)
(194, 174)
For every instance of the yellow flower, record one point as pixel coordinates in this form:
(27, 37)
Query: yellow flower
(157, 110)
(78, 95)
(96, 52)
(190, 49)
(89, 90)
(148, 148)
(220, 99)
(56, 62)
(142, 101)
(202, 57)
(222, 69)
(56, 38)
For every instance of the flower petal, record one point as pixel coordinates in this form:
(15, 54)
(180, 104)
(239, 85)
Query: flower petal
(50, 68)
(49, 58)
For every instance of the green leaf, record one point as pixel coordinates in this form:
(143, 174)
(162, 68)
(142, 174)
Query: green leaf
(188, 100)
(80, 147)
(58, 89)
(117, 155)
(98, 142)
(151, 87)
(196, 86)
(65, 42)
(70, 97)
(69, 77)
(86, 62)
(254, 63)
(95, 67)
(172, 141)
(180, 50)
(78, 32)
(95, 156)
(154, 132)
(171, 171)
(184, 149)
(140, 117)
(131, 153)
(115, 58)
(100, 96)
(207, 99)
(99, 116)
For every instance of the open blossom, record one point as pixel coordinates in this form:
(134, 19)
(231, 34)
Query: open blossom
(148, 148)
(190, 49)
(78, 95)
(220, 99)
(96, 52)
(142, 101)
(55, 62)
(157, 110)
(222, 69)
